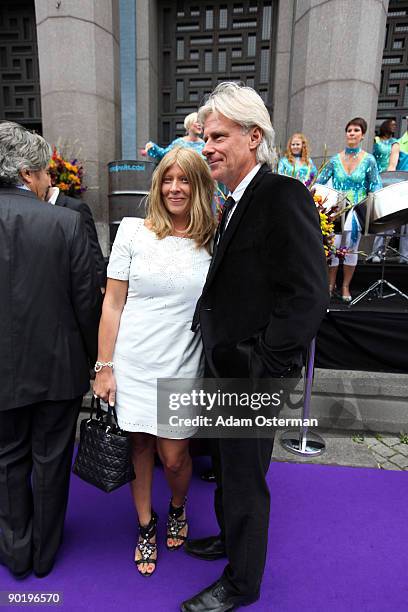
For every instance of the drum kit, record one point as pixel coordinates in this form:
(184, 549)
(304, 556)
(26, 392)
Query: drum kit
(382, 211)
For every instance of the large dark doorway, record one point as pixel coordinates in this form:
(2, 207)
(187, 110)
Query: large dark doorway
(202, 44)
(19, 73)
(393, 98)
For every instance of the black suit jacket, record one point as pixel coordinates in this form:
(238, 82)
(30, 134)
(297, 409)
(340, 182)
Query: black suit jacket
(266, 291)
(49, 301)
(81, 207)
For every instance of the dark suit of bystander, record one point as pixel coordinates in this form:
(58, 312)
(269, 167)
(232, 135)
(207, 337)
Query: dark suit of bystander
(49, 314)
(85, 211)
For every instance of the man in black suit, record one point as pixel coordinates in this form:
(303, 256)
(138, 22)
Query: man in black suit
(57, 197)
(264, 298)
(49, 314)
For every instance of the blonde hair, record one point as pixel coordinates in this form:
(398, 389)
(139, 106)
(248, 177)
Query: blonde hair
(244, 106)
(305, 154)
(189, 120)
(201, 224)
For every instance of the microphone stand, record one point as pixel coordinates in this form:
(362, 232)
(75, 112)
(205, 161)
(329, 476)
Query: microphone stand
(377, 288)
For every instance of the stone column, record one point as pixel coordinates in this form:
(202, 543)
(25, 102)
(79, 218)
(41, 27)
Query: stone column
(334, 71)
(147, 71)
(282, 72)
(78, 48)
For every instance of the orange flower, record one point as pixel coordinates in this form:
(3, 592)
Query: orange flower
(65, 174)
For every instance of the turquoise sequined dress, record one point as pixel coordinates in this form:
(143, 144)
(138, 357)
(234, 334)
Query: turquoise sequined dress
(403, 156)
(363, 180)
(300, 171)
(159, 152)
(382, 152)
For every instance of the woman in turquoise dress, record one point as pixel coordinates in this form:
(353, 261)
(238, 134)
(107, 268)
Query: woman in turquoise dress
(353, 172)
(297, 161)
(403, 166)
(403, 156)
(386, 151)
(386, 148)
(191, 140)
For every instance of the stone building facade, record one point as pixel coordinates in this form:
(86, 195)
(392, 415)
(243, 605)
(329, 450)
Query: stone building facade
(105, 76)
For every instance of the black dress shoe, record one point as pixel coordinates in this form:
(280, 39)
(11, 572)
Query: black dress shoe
(17, 575)
(208, 476)
(21, 575)
(208, 549)
(215, 598)
(43, 574)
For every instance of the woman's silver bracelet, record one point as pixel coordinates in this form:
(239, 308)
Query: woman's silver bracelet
(102, 364)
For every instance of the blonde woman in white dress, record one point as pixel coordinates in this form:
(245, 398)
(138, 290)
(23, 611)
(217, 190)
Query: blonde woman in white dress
(156, 272)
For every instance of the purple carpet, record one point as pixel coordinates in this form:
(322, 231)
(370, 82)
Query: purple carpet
(337, 542)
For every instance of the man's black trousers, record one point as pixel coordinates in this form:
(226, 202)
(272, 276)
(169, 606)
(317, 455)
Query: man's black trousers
(36, 445)
(242, 503)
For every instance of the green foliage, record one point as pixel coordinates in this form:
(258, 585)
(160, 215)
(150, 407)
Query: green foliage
(358, 438)
(403, 437)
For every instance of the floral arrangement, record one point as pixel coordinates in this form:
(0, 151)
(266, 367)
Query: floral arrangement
(66, 175)
(328, 217)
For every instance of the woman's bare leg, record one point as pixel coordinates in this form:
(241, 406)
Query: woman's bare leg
(143, 449)
(332, 278)
(177, 464)
(348, 272)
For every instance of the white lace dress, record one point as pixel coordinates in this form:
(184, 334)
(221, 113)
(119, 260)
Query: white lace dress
(154, 339)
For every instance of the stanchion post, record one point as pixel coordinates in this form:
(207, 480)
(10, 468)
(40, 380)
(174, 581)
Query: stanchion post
(302, 442)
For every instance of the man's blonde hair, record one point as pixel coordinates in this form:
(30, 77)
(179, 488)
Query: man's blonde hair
(201, 224)
(244, 106)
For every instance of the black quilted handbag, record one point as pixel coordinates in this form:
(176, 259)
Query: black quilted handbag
(104, 451)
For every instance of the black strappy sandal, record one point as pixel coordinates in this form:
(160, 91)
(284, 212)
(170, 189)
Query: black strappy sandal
(145, 546)
(175, 524)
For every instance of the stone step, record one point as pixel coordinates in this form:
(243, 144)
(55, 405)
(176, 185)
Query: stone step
(358, 401)
(348, 400)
